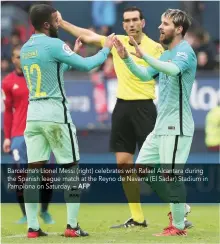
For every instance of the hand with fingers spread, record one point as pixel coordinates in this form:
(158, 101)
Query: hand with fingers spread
(122, 51)
(139, 53)
(78, 45)
(110, 41)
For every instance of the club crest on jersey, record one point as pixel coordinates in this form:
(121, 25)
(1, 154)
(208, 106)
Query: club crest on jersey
(67, 49)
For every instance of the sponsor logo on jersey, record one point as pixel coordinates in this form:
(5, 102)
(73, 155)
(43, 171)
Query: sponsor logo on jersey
(15, 86)
(182, 54)
(67, 49)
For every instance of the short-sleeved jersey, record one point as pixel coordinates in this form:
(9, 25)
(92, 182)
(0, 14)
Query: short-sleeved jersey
(174, 112)
(44, 60)
(131, 87)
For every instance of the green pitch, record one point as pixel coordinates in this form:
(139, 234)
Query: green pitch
(96, 219)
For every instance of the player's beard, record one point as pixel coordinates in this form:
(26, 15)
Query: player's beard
(53, 32)
(167, 39)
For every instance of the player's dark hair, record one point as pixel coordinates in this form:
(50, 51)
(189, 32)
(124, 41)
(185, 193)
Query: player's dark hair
(179, 18)
(134, 8)
(17, 47)
(39, 14)
(16, 33)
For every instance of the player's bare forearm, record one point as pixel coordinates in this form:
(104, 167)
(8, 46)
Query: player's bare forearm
(86, 35)
(73, 29)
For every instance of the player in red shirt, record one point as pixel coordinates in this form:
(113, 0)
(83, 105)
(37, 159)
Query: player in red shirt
(15, 96)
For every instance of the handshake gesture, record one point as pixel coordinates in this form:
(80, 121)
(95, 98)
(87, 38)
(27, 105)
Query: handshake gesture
(123, 53)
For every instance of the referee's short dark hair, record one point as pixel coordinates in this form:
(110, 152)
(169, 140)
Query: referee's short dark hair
(179, 18)
(39, 14)
(134, 8)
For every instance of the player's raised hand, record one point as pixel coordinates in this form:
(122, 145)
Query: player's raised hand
(78, 45)
(110, 41)
(139, 53)
(122, 52)
(59, 17)
(7, 145)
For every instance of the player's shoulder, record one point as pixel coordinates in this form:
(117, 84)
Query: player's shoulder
(24, 46)
(9, 76)
(185, 48)
(44, 41)
(54, 40)
(8, 79)
(55, 44)
(185, 52)
(58, 47)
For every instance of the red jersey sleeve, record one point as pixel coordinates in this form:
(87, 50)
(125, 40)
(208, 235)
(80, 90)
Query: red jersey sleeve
(8, 101)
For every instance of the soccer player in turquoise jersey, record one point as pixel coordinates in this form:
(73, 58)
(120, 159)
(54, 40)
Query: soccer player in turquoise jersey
(169, 143)
(49, 127)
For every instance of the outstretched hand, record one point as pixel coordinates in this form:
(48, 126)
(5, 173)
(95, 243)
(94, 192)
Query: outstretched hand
(110, 41)
(122, 51)
(78, 45)
(139, 53)
(7, 145)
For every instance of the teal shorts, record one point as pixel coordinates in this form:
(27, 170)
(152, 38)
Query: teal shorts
(166, 151)
(42, 137)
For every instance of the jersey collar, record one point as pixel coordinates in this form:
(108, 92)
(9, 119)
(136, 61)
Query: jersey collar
(180, 43)
(38, 35)
(18, 74)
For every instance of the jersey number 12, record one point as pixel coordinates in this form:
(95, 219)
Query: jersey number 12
(36, 68)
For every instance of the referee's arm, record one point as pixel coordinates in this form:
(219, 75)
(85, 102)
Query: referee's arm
(86, 35)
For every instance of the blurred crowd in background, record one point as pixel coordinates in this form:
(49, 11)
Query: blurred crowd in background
(16, 29)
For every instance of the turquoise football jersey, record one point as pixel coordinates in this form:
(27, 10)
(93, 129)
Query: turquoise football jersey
(174, 112)
(44, 60)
